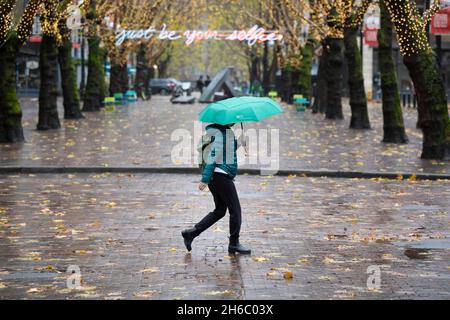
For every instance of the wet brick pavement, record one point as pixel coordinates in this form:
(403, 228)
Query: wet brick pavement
(123, 231)
(140, 135)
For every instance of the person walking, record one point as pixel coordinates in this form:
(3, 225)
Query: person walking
(207, 81)
(200, 84)
(218, 175)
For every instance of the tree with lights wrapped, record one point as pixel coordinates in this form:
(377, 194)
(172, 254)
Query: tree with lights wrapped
(321, 92)
(425, 74)
(95, 85)
(296, 52)
(71, 102)
(56, 49)
(393, 126)
(148, 51)
(338, 22)
(358, 98)
(48, 63)
(334, 51)
(120, 14)
(12, 36)
(142, 72)
(237, 15)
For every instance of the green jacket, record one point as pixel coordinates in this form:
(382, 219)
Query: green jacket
(222, 153)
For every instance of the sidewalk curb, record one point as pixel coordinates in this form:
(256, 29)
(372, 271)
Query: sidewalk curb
(194, 170)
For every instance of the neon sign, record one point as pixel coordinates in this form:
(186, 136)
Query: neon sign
(253, 35)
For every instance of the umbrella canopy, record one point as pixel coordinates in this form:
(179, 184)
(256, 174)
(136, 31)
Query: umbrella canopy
(240, 109)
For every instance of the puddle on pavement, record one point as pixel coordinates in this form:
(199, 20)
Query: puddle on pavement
(420, 207)
(29, 275)
(414, 253)
(422, 249)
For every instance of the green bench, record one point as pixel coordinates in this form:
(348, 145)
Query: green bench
(109, 101)
(120, 99)
(300, 102)
(273, 94)
(131, 96)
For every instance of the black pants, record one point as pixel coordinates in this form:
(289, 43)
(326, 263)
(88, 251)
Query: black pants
(225, 196)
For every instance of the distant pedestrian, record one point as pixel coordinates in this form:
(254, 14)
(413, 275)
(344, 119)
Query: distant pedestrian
(200, 84)
(256, 88)
(207, 81)
(218, 174)
(245, 87)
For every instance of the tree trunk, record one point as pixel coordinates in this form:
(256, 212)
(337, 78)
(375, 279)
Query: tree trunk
(273, 69)
(163, 65)
(425, 74)
(294, 87)
(69, 82)
(358, 99)
(432, 105)
(304, 82)
(48, 91)
(254, 73)
(141, 80)
(119, 79)
(10, 112)
(286, 78)
(393, 126)
(266, 70)
(335, 60)
(321, 94)
(95, 85)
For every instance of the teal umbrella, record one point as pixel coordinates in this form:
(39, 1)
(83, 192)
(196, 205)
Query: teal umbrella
(240, 109)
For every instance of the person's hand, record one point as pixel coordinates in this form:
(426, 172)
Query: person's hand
(202, 186)
(246, 150)
(243, 144)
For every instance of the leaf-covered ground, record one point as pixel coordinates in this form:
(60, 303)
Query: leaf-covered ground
(311, 238)
(140, 135)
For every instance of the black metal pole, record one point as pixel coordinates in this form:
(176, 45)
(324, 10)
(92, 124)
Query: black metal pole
(439, 49)
(82, 82)
(361, 40)
(427, 6)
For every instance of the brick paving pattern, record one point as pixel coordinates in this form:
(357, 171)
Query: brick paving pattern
(123, 231)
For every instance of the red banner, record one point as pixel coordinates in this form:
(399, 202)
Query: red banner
(440, 22)
(35, 39)
(371, 37)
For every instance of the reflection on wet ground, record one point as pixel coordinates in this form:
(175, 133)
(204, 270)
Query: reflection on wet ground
(139, 135)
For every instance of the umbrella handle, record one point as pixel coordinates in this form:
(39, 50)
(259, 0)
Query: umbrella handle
(244, 142)
(242, 135)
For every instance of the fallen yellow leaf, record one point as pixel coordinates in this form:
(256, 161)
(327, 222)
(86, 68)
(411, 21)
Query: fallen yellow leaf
(144, 294)
(35, 290)
(260, 259)
(150, 270)
(111, 205)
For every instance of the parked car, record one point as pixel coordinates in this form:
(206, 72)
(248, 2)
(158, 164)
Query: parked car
(164, 86)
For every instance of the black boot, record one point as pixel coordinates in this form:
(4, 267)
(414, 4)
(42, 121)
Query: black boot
(235, 246)
(189, 235)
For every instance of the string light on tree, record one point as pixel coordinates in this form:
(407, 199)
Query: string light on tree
(27, 20)
(410, 25)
